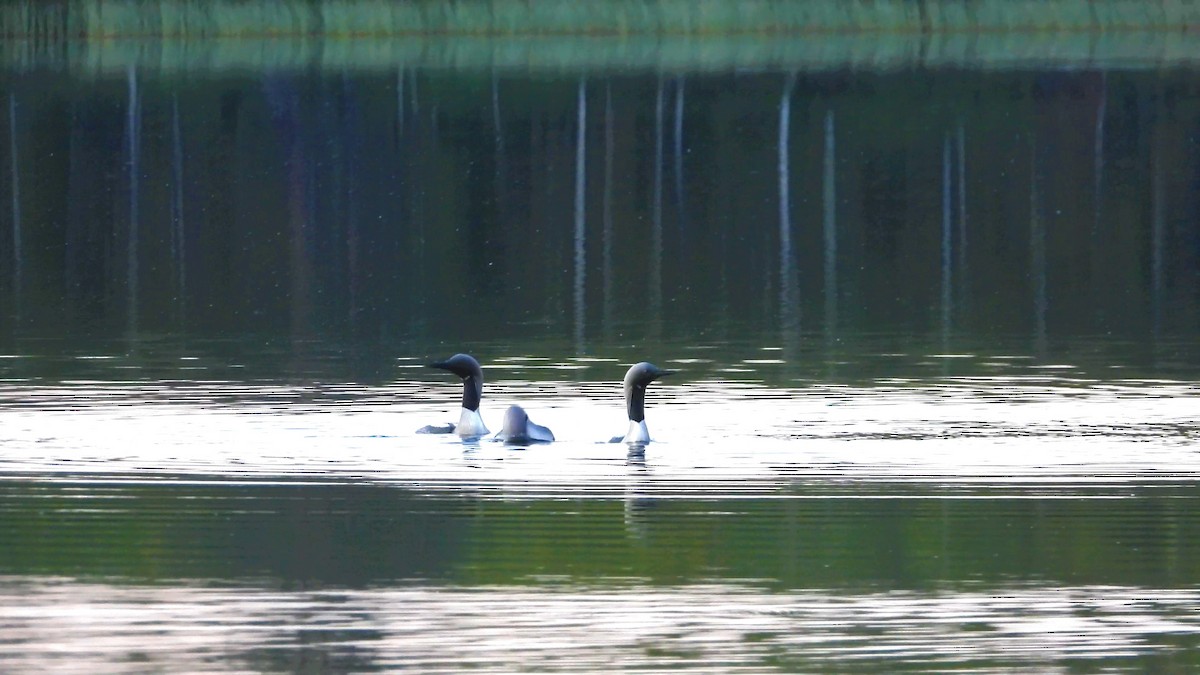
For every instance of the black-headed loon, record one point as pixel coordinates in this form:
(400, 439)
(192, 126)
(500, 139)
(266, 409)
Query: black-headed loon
(636, 380)
(470, 424)
(518, 428)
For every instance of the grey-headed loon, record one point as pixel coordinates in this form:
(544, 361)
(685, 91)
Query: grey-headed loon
(636, 380)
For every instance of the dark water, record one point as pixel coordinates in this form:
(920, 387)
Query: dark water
(936, 326)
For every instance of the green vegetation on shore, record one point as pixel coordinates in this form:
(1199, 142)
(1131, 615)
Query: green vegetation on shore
(109, 36)
(108, 19)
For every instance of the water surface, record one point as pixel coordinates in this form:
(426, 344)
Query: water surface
(936, 330)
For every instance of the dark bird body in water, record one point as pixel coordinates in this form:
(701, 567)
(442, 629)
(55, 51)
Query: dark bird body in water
(519, 429)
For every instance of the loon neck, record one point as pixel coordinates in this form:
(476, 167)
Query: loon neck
(635, 401)
(472, 392)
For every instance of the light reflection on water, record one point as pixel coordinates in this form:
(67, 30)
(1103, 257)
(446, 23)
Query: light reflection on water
(209, 459)
(65, 625)
(737, 436)
(997, 515)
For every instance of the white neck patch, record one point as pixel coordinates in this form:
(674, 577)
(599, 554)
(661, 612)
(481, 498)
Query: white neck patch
(638, 433)
(470, 424)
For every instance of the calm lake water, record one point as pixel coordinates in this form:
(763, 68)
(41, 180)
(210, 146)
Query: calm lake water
(936, 326)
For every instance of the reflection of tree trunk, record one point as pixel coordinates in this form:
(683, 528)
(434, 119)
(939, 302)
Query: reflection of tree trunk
(962, 223)
(947, 243)
(580, 182)
(679, 200)
(414, 150)
(497, 127)
(656, 294)
(178, 244)
(1158, 228)
(286, 114)
(133, 136)
(500, 187)
(788, 310)
(425, 131)
(15, 178)
(1099, 265)
(399, 102)
(416, 108)
(301, 272)
(830, 229)
(1037, 247)
(608, 214)
(73, 253)
(1098, 159)
(347, 125)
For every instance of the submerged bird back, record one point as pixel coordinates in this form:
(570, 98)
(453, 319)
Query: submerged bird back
(518, 428)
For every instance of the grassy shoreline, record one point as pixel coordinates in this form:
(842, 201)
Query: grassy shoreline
(196, 19)
(107, 36)
(999, 51)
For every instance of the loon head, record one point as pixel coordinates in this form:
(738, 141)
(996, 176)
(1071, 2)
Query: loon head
(636, 380)
(518, 428)
(466, 367)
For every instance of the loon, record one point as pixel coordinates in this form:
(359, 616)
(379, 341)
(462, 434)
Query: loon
(470, 424)
(636, 380)
(519, 429)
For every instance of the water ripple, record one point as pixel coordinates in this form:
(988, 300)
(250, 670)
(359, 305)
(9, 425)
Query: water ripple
(73, 626)
(717, 436)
